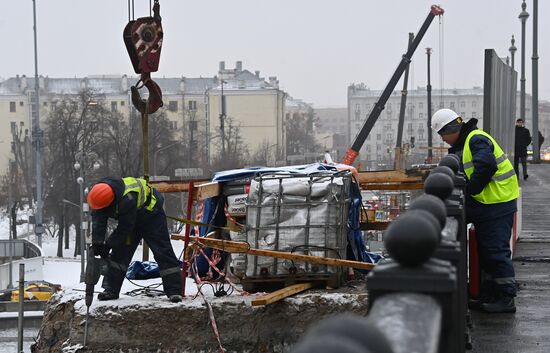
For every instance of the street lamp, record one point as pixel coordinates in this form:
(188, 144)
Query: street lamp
(523, 17)
(513, 50)
(84, 161)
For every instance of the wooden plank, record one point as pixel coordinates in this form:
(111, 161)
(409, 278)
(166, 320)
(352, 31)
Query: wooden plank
(203, 190)
(389, 176)
(392, 186)
(281, 294)
(374, 225)
(207, 190)
(243, 247)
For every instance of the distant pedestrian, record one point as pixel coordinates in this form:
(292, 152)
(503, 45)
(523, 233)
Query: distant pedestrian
(138, 208)
(491, 193)
(541, 140)
(523, 139)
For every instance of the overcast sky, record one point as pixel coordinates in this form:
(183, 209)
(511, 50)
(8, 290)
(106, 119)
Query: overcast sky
(316, 48)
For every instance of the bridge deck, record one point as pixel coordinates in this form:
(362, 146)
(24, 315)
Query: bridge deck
(527, 331)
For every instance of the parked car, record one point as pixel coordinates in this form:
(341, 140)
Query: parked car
(36, 291)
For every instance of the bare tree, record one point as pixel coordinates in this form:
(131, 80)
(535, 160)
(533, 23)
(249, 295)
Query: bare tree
(236, 153)
(299, 130)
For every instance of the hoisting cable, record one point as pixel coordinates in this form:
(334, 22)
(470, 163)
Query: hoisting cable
(441, 60)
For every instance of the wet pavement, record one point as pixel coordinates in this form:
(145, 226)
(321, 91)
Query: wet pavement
(527, 331)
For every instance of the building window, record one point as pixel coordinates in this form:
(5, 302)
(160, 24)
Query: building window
(368, 107)
(114, 107)
(21, 103)
(192, 105)
(421, 126)
(368, 137)
(441, 104)
(462, 114)
(378, 147)
(45, 104)
(474, 115)
(452, 105)
(409, 126)
(122, 103)
(12, 107)
(378, 137)
(474, 104)
(421, 136)
(420, 115)
(420, 105)
(173, 106)
(462, 104)
(13, 126)
(357, 108)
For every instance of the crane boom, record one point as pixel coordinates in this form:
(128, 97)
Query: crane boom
(353, 151)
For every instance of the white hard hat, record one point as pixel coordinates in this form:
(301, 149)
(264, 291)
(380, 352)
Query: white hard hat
(442, 117)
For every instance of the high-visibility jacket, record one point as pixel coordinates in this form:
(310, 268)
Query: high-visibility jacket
(503, 186)
(145, 198)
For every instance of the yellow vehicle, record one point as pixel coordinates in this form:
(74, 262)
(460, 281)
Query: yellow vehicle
(34, 291)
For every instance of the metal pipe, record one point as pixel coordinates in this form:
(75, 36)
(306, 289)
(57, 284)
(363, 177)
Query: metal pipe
(535, 73)
(37, 134)
(21, 312)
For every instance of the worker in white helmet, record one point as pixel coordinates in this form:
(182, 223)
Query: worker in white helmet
(491, 193)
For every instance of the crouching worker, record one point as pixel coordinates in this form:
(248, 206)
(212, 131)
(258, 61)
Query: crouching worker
(138, 208)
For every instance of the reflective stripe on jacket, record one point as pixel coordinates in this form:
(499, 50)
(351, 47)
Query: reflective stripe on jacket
(503, 186)
(145, 195)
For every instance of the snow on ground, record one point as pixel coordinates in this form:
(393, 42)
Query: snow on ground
(66, 270)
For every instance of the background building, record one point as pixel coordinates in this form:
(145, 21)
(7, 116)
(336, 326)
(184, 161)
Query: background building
(378, 150)
(253, 105)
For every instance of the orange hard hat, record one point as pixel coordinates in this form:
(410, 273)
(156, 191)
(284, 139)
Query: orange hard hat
(100, 196)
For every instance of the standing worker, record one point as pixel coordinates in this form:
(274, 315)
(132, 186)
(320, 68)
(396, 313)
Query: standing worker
(522, 141)
(491, 193)
(138, 208)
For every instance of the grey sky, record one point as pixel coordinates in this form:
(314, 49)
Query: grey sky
(315, 47)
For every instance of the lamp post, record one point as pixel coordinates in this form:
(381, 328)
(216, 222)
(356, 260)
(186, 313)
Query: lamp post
(535, 81)
(523, 17)
(37, 137)
(84, 161)
(222, 118)
(513, 50)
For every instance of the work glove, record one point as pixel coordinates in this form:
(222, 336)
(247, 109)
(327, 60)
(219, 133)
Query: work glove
(101, 250)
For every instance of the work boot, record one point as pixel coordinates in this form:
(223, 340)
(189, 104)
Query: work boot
(175, 298)
(107, 295)
(504, 304)
(476, 304)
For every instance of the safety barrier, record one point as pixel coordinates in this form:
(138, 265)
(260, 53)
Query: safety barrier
(418, 298)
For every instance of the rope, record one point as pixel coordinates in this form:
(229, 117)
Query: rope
(210, 310)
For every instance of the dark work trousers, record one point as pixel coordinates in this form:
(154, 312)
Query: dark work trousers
(150, 226)
(493, 241)
(523, 160)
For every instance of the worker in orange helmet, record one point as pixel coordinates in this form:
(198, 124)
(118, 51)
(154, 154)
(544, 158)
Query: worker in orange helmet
(138, 208)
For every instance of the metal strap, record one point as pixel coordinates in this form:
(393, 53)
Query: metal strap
(468, 165)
